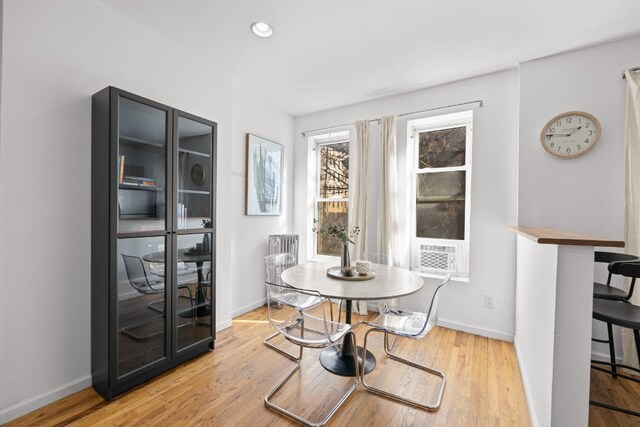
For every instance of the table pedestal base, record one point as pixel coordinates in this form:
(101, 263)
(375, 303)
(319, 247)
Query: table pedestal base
(334, 361)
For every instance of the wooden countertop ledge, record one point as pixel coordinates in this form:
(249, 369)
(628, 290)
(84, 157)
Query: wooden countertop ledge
(553, 236)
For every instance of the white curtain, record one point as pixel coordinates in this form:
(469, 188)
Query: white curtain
(358, 202)
(388, 225)
(632, 196)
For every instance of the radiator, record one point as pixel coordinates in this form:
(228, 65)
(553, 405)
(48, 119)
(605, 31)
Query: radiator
(285, 243)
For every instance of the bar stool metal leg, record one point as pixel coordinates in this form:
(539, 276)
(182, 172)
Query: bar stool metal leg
(612, 350)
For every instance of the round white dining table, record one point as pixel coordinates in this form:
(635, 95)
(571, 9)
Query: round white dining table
(389, 282)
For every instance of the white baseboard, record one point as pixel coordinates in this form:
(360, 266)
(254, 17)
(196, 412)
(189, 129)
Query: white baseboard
(223, 325)
(476, 330)
(527, 392)
(605, 357)
(247, 308)
(24, 407)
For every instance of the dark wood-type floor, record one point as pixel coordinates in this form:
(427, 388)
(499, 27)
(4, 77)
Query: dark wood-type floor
(226, 387)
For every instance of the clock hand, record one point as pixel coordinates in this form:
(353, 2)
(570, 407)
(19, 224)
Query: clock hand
(575, 130)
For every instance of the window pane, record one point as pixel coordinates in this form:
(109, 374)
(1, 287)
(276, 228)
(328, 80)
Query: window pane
(194, 288)
(331, 213)
(141, 302)
(334, 170)
(442, 148)
(440, 205)
(194, 173)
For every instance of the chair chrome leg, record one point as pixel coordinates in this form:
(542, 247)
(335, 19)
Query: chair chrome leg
(128, 330)
(430, 406)
(298, 418)
(388, 346)
(279, 350)
(152, 306)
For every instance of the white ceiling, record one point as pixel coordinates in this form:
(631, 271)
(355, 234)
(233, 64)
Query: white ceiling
(328, 53)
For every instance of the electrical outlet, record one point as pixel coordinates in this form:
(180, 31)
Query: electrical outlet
(488, 301)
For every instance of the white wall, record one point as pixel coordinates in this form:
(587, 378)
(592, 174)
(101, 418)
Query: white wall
(55, 56)
(493, 199)
(585, 194)
(249, 245)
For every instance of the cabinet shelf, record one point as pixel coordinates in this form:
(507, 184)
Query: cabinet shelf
(139, 187)
(124, 138)
(194, 192)
(195, 153)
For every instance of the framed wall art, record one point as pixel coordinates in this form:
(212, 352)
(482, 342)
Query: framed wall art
(264, 176)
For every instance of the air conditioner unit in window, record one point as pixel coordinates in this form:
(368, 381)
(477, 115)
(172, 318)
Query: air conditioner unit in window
(441, 258)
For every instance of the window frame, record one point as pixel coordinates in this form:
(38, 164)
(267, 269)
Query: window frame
(318, 141)
(435, 123)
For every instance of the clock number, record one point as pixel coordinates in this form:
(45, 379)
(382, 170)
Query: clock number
(590, 132)
(558, 149)
(559, 123)
(552, 145)
(569, 119)
(579, 121)
(586, 140)
(579, 147)
(568, 150)
(552, 130)
(587, 125)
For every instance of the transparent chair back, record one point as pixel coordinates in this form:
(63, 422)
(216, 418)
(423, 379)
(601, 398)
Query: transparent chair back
(409, 323)
(432, 314)
(301, 320)
(156, 268)
(138, 276)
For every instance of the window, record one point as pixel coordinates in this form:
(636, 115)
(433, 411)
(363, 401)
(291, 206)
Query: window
(331, 202)
(442, 181)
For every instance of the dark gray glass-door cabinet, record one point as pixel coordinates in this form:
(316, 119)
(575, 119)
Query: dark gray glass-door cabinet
(153, 239)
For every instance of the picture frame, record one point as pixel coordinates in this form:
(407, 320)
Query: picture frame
(264, 177)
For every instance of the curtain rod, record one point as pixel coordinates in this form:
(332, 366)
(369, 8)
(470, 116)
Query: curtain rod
(304, 133)
(630, 69)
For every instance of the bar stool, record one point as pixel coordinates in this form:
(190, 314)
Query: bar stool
(623, 314)
(606, 291)
(611, 293)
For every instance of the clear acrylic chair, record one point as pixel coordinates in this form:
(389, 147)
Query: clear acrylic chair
(409, 324)
(157, 268)
(276, 264)
(304, 329)
(141, 282)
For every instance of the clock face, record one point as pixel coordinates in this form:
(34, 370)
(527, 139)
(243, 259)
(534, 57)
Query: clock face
(197, 174)
(570, 135)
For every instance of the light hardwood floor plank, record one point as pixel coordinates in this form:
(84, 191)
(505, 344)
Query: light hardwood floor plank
(226, 387)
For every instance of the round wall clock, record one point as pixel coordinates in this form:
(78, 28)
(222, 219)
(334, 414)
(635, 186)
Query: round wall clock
(570, 134)
(198, 174)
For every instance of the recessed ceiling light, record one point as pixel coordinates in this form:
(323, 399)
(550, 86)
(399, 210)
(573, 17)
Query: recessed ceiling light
(261, 29)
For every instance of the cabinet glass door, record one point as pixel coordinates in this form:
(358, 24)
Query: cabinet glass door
(142, 165)
(194, 288)
(141, 302)
(195, 173)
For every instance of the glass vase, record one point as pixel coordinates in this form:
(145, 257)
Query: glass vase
(345, 261)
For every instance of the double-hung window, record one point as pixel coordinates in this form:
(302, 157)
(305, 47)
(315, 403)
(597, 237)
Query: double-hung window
(331, 203)
(441, 192)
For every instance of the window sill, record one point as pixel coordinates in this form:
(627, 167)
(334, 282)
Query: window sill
(462, 278)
